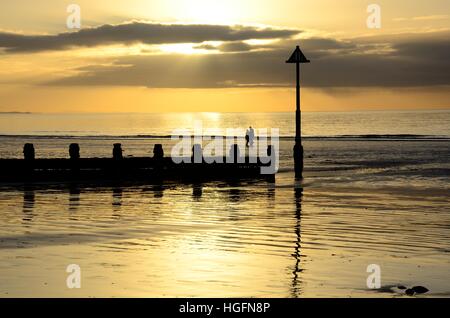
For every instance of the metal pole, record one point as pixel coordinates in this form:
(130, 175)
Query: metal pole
(298, 148)
(297, 113)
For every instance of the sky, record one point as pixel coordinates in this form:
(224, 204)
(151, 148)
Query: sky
(223, 56)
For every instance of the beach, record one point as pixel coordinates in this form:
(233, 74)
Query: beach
(373, 193)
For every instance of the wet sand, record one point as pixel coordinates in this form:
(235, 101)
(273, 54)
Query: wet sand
(223, 240)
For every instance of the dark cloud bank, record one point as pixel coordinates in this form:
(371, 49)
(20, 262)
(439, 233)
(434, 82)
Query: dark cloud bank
(401, 61)
(137, 32)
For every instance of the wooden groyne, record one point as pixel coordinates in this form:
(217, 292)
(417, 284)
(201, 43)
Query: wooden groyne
(140, 169)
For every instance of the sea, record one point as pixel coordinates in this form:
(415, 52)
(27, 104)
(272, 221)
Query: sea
(375, 194)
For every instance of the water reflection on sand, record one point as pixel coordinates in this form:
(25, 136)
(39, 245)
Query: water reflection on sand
(220, 239)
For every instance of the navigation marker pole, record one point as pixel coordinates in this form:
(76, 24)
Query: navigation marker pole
(297, 57)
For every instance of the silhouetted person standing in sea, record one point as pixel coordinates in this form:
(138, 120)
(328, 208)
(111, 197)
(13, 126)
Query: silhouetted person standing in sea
(251, 135)
(247, 137)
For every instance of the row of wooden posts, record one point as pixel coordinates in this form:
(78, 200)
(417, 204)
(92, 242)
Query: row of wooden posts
(74, 151)
(158, 151)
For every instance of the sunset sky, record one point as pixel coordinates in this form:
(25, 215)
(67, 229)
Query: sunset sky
(205, 55)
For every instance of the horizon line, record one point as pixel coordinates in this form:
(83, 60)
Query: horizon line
(223, 112)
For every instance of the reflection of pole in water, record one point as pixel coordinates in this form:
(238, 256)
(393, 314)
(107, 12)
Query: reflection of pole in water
(74, 197)
(234, 192)
(271, 190)
(298, 191)
(271, 205)
(117, 196)
(158, 191)
(116, 201)
(197, 191)
(28, 204)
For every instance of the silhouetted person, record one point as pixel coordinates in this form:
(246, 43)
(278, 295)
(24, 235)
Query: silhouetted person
(247, 137)
(117, 151)
(251, 135)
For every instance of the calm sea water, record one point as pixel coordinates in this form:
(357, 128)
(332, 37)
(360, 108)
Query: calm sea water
(375, 192)
(434, 123)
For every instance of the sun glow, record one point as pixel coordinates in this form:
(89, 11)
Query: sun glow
(208, 11)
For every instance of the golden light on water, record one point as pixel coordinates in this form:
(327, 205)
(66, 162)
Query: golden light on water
(212, 116)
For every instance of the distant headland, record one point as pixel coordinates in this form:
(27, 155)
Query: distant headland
(15, 113)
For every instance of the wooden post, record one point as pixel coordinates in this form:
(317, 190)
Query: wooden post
(117, 151)
(234, 153)
(197, 154)
(270, 154)
(158, 151)
(28, 155)
(28, 151)
(74, 151)
(158, 160)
